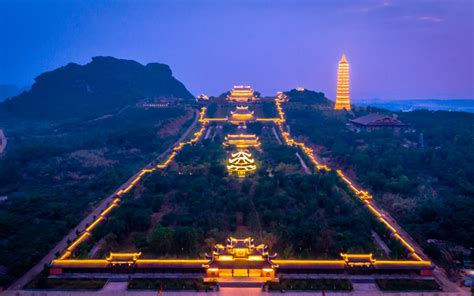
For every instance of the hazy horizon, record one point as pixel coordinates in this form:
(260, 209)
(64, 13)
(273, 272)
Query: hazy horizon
(396, 49)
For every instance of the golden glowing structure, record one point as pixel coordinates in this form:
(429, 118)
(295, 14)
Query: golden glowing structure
(241, 94)
(241, 163)
(242, 141)
(342, 93)
(241, 114)
(123, 259)
(240, 257)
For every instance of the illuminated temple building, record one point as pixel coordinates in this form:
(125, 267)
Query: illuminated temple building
(342, 92)
(241, 115)
(242, 141)
(241, 94)
(241, 163)
(240, 257)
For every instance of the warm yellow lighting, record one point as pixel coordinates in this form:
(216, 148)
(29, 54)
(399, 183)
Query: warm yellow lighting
(225, 258)
(242, 141)
(241, 94)
(241, 115)
(342, 93)
(241, 163)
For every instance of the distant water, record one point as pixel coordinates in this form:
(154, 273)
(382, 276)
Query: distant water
(409, 105)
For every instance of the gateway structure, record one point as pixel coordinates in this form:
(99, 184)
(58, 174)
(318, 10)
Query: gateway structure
(238, 258)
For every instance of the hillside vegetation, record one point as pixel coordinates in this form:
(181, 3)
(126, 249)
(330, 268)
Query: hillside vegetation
(105, 85)
(423, 175)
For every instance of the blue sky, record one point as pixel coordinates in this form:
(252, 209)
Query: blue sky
(396, 48)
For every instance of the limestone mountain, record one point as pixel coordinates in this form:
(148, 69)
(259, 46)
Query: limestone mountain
(104, 85)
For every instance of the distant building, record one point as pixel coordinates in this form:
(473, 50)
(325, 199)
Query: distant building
(203, 97)
(282, 97)
(241, 114)
(240, 258)
(375, 121)
(342, 92)
(241, 163)
(242, 141)
(241, 94)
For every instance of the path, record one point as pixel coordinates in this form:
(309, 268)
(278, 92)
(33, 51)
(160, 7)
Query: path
(276, 135)
(102, 205)
(303, 164)
(3, 141)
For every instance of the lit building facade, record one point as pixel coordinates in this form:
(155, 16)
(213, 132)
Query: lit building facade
(241, 163)
(240, 257)
(342, 92)
(241, 115)
(242, 141)
(241, 94)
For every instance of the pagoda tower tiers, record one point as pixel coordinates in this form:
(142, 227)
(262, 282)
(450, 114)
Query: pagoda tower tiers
(241, 163)
(342, 93)
(241, 94)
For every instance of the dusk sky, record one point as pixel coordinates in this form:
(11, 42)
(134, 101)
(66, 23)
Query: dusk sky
(396, 49)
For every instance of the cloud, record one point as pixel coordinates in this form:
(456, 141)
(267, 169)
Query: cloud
(374, 6)
(430, 18)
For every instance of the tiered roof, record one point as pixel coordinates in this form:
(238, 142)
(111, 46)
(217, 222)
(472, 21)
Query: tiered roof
(240, 253)
(241, 93)
(242, 141)
(342, 92)
(241, 163)
(241, 114)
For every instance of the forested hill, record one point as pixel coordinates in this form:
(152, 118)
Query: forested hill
(104, 85)
(309, 97)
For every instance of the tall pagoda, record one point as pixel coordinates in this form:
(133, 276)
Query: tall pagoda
(342, 93)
